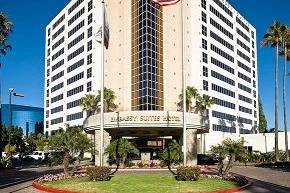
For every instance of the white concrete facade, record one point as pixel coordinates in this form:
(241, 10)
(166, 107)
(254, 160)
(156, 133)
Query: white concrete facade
(211, 44)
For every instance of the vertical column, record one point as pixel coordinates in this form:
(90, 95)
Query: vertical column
(191, 147)
(97, 147)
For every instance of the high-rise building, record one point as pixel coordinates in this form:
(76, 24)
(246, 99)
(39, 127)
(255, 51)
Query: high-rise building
(143, 64)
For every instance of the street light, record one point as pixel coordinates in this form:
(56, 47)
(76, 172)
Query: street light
(11, 93)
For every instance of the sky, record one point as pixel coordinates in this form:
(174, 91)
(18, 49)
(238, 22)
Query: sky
(23, 67)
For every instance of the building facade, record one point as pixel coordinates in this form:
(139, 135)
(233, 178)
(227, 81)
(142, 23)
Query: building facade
(143, 64)
(30, 119)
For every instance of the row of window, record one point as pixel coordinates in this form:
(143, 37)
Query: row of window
(221, 5)
(222, 65)
(76, 53)
(221, 28)
(222, 90)
(76, 16)
(223, 128)
(244, 56)
(58, 43)
(75, 78)
(244, 88)
(57, 76)
(244, 77)
(223, 116)
(74, 6)
(203, 4)
(222, 53)
(73, 104)
(57, 87)
(58, 32)
(243, 66)
(56, 109)
(76, 28)
(224, 103)
(245, 99)
(57, 65)
(75, 65)
(58, 21)
(76, 40)
(74, 116)
(242, 24)
(57, 98)
(219, 15)
(221, 40)
(222, 78)
(245, 110)
(243, 35)
(246, 121)
(239, 42)
(56, 121)
(75, 90)
(57, 54)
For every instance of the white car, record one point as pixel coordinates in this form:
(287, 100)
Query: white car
(37, 155)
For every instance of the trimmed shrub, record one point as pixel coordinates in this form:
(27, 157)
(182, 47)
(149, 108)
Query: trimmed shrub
(188, 173)
(98, 173)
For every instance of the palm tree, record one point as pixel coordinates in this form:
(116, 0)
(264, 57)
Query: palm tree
(5, 30)
(203, 103)
(273, 38)
(90, 104)
(191, 92)
(109, 97)
(286, 53)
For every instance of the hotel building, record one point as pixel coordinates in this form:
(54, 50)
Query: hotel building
(143, 66)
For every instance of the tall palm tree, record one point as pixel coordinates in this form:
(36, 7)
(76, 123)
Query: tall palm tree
(109, 98)
(203, 103)
(286, 54)
(273, 38)
(191, 93)
(5, 30)
(90, 104)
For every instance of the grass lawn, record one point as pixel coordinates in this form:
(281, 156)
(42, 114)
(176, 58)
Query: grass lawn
(141, 184)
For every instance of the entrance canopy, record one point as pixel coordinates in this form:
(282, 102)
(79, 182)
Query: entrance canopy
(146, 123)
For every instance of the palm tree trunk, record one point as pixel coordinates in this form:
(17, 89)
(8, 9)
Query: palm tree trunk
(66, 162)
(284, 101)
(276, 103)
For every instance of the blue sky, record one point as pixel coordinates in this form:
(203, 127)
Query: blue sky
(23, 67)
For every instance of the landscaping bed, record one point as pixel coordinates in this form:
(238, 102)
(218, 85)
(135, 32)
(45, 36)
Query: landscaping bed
(142, 183)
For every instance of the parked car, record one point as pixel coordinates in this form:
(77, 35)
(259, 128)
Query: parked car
(37, 155)
(206, 159)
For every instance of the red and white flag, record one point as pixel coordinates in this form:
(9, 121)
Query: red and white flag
(165, 2)
(106, 32)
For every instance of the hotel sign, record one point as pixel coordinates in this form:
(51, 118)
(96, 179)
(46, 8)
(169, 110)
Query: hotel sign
(144, 118)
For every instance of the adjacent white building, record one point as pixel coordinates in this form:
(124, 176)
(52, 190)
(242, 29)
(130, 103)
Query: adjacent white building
(143, 64)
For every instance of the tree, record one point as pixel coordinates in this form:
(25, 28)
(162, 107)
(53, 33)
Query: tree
(262, 118)
(172, 154)
(191, 93)
(89, 104)
(285, 52)
(5, 30)
(203, 103)
(273, 38)
(70, 141)
(109, 98)
(119, 149)
(228, 149)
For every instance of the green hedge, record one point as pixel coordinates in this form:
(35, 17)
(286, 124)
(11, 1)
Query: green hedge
(99, 173)
(188, 173)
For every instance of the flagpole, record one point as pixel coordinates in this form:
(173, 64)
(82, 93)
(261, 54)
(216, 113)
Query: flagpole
(102, 88)
(183, 89)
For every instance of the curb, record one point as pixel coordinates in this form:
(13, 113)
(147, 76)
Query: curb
(41, 187)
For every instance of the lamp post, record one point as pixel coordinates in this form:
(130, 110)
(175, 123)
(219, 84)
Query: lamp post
(11, 93)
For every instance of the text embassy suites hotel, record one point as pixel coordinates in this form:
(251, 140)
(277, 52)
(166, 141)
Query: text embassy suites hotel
(143, 66)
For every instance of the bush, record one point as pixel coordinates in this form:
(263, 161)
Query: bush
(99, 173)
(188, 173)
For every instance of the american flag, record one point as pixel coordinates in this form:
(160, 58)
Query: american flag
(165, 2)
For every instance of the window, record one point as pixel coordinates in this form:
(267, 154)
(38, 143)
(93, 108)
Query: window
(222, 65)
(254, 74)
(221, 5)
(89, 86)
(245, 110)
(90, 45)
(221, 40)
(254, 84)
(244, 56)
(73, 104)
(222, 53)
(90, 32)
(242, 24)
(204, 44)
(254, 93)
(244, 88)
(240, 43)
(203, 17)
(205, 85)
(90, 5)
(224, 128)
(57, 54)
(223, 116)
(58, 43)
(48, 42)
(76, 28)
(205, 71)
(253, 34)
(244, 77)
(89, 59)
(245, 99)
(48, 62)
(57, 87)
(76, 16)
(243, 35)
(47, 93)
(243, 66)
(47, 83)
(224, 103)
(47, 72)
(222, 90)
(58, 32)
(222, 78)
(75, 91)
(74, 6)
(90, 19)
(48, 32)
(220, 28)
(58, 21)
(75, 65)
(48, 52)
(204, 57)
(89, 73)
(57, 98)
(57, 76)
(75, 78)
(204, 30)
(246, 121)
(203, 4)
(74, 116)
(47, 114)
(57, 65)
(219, 15)
(56, 121)
(75, 53)
(76, 40)
(56, 109)
(47, 103)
